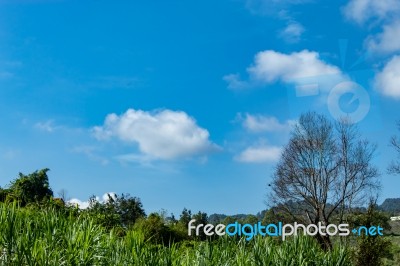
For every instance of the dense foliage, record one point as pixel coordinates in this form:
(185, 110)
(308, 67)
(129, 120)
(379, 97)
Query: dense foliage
(28, 188)
(47, 237)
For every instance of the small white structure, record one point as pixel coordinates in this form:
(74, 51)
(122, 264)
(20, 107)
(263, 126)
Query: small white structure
(395, 218)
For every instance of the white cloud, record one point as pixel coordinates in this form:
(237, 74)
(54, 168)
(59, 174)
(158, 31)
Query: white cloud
(270, 66)
(162, 134)
(79, 203)
(361, 11)
(388, 80)
(47, 126)
(260, 123)
(85, 204)
(106, 196)
(388, 41)
(234, 82)
(292, 32)
(260, 154)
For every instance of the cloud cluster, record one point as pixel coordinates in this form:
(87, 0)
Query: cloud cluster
(388, 80)
(362, 11)
(261, 152)
(386, 42)
(85, 204)
(161, 134)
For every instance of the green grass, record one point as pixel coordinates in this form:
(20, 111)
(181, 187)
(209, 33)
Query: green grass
(45, 237)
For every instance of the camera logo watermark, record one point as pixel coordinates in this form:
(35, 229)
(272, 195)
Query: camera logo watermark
(280, 230)
(359, 96)
(346, 94)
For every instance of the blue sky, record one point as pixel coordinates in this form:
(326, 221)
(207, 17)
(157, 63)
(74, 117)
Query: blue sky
(188, 103)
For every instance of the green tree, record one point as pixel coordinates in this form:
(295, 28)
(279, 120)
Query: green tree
(155, 230)
(31, 188)
(185, 217)
(371, 249)
(250, 219)
(229, 220)
(201, 218)
(117, 211)
(274, 216)
(128, 208)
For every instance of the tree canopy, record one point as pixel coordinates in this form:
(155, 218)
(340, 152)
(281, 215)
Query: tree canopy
(30, 188)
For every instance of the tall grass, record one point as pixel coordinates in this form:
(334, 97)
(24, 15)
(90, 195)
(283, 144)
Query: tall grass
(45, 237)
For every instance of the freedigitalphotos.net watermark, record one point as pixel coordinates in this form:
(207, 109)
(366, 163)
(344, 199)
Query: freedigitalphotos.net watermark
(280, 230)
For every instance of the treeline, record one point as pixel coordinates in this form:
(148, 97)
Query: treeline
(119, 213)
(48, 237)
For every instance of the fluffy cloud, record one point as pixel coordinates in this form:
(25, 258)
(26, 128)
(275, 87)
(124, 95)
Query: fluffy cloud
(85, 204)
(388, 80)
(260, 154)
(271, 66)
(162, 134)
(386, 42)
(361, 11)
(292, 32)
(260, 123)
(79, 203)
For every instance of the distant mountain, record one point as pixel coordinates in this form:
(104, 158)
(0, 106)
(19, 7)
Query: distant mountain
(219, 218)
(391, 206)
(216, 218)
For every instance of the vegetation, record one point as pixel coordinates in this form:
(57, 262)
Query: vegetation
(28, 188)
(116, 212)
(371, 250)
(46, 237)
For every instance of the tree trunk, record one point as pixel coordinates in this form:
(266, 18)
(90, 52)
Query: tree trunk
(324, 242)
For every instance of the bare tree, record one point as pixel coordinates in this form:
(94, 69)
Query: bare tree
(394, 167)
(63, 194)
(324, 170)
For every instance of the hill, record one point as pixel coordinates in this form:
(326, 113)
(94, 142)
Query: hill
(391, 205)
